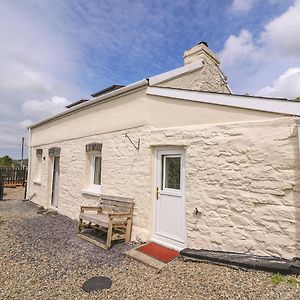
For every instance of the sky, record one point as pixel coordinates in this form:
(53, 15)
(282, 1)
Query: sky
(56, 52)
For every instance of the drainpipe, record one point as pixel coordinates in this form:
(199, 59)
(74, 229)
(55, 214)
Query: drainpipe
(298, 127)
(29, 164)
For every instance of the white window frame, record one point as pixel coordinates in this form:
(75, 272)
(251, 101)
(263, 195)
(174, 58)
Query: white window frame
(92, 188)
(38, 170)
(93, 185)
(163, 187)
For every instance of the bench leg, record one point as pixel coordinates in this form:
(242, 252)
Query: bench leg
(79, 226)
(128, 231)
(109, 234)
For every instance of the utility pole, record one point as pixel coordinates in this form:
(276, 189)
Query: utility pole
(1, 187)
(22, 152)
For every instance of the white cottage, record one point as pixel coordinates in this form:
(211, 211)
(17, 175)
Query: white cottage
(207, 169)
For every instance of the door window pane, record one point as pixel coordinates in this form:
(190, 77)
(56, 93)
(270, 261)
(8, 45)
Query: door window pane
(97, 170)
(172, 173)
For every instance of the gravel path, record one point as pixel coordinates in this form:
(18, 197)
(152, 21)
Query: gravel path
(41, 258)
(14, 193)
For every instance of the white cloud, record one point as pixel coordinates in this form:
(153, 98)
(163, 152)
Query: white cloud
(17, 77)
(39, 109)
(10, 139)
(37, 62)
(67, 48)
(279, 37)
(242, 5)
(25, 123)
(287, 85)
(282, 33)
(238, 48)
(255, 61)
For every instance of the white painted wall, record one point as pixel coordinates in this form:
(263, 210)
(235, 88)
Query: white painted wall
(138, 109)
(242, 176)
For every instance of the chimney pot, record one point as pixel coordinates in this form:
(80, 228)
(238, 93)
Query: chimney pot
(204, 43)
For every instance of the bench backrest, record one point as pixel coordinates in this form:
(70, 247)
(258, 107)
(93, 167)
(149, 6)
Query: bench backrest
(116, 204)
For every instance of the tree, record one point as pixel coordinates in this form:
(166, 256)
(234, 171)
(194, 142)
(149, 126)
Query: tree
(6, 161)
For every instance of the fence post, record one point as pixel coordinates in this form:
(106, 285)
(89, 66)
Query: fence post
(1, 187)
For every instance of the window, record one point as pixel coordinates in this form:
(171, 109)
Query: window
(94, 161)
(96, 170)
(38, 167)
(171, 172)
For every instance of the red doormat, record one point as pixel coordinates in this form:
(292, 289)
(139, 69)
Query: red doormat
(159, 252)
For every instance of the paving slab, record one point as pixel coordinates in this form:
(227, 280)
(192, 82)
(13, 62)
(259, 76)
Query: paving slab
(147, 260)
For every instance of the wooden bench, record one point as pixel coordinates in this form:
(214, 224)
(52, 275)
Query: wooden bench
(113, 215)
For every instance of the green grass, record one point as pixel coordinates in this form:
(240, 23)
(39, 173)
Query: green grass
(279, 278)
(293, 281)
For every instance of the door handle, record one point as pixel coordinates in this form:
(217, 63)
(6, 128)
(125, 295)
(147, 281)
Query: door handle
(157, 193)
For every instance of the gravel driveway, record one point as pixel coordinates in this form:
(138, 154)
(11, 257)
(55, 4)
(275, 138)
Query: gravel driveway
(41, 258)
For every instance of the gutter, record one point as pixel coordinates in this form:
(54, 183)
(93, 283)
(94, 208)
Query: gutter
(94, 101)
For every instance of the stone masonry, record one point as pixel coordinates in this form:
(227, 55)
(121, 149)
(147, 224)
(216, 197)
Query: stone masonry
(209, 78)
(243, 178)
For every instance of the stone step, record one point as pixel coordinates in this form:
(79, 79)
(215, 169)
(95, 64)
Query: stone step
(147, 260)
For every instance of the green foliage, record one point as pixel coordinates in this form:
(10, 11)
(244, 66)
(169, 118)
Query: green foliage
(277, 278)
(6, 161)
(293, 281)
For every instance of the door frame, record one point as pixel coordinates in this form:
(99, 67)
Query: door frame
(159, 239)
(52, 164)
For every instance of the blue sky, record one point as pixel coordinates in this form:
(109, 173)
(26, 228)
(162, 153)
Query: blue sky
(56, 52)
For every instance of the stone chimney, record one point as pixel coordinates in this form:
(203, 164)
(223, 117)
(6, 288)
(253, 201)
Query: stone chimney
(208, 77)
(200, 52)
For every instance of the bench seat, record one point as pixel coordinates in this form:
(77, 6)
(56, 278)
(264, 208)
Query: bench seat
(102, 219)
(113, 215)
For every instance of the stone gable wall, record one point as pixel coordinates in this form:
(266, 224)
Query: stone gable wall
(242, 177)
(206, 79)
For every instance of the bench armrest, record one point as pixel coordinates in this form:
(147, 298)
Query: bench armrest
(119, 214)
(91, 208)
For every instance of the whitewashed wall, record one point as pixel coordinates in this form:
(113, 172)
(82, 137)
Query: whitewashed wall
(242, 177)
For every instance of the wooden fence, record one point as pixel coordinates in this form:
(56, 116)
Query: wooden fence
(12, 177)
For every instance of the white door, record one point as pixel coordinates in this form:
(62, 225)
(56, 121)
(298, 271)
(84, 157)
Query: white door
(55, 182)
(170, 228)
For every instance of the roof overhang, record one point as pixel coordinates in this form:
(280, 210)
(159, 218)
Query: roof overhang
(274, 105)
(175, 73)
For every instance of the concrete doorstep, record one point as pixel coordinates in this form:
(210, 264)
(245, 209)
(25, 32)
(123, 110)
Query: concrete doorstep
(146, 259)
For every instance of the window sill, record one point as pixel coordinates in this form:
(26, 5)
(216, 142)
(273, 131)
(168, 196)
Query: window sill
(91, 192)
(52, 208)
(37, 182)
